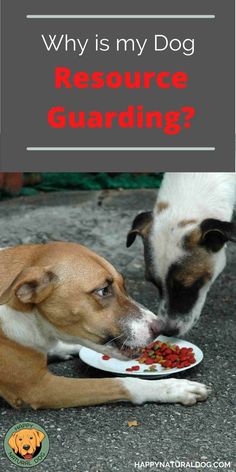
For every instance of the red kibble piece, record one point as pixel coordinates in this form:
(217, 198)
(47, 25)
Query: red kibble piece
(106, 357)
(172, 357)
(149, 361)
(192, 361)
(164, 347)
(184, 350)
(168, 351)
(135, 367)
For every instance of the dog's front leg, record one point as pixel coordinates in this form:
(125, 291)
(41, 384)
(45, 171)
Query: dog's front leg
(60, 392)
(52, 391)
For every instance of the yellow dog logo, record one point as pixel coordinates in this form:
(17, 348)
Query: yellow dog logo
(25, 442)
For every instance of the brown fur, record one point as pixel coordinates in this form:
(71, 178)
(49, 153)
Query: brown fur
(160, 206)
(60, 279)
(184, 223)
(198, 263)
(192, 239)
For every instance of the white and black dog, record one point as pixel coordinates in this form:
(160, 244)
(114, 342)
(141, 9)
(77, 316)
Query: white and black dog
(184, 242)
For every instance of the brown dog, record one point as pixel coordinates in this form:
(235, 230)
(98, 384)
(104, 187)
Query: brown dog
(25, 442)
(55, 297)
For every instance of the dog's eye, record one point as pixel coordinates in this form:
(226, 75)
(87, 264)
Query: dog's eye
(20, 439)
(31, 437)
(104, 292)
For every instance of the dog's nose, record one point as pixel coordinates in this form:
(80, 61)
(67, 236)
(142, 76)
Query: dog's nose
(26, 447)
(170, 332)
(155, 328)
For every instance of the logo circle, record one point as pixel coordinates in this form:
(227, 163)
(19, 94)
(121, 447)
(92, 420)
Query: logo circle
(26, 444)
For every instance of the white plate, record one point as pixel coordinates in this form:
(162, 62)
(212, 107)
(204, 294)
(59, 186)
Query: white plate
(116, 366)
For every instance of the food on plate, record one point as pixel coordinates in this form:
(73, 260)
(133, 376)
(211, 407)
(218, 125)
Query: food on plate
(167, 355)
(131, 369)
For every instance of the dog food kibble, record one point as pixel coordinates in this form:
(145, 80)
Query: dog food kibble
(167, 355)
(132, 369)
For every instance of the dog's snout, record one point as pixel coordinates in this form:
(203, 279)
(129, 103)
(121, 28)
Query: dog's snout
(26, 447)
(158, 327)
(170, 332)
(155, 328)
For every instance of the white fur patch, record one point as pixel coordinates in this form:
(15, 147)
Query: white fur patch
(166, 239)
(28, 329)
(196, 194)
(140, 328)
(165, 391)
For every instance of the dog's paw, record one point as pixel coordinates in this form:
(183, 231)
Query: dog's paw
(63, 351)
(188, 393)
(166, 391)
(65, 357)
(52, 357)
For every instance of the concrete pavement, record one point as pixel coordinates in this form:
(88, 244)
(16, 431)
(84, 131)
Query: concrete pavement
(98, 439)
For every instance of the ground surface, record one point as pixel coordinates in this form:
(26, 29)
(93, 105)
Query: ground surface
(98, 438)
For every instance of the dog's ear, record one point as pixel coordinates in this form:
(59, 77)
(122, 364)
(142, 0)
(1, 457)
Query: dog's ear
(39, 436)
(32, 285)
(12, 442)
(215, 233)
(140, 226)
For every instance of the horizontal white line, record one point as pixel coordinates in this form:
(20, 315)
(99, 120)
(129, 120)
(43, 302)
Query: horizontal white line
(110, 17)
(97, 149)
